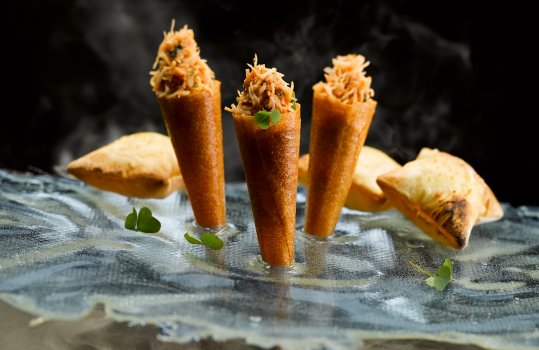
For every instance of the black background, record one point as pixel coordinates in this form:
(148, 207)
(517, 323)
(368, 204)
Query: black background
(445, 75)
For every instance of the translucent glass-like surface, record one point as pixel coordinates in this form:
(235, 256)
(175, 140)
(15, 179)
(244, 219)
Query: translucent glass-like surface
(63, 249)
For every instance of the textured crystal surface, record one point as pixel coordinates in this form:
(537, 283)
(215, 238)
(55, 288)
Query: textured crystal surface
(63, 249)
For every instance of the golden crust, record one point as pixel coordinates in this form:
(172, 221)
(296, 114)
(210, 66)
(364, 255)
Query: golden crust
(138, 165)
(364, 193)
(442, 195)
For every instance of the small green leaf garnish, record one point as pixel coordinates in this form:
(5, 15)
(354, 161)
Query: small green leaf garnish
(294, 100)
(263, 118)
(191, 239)
(146, 222)
(275, 116)
(143, 222)
(210, 240)
(441, 278)
(131, 221)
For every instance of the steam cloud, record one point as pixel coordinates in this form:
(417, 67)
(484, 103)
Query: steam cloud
(101, 52)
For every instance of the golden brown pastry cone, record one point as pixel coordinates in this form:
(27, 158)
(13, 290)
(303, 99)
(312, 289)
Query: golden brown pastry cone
(337, 134)
(364, 193)
(194, 125)
(270, 161)
(442, 195)
(139, 165)
(303, 170)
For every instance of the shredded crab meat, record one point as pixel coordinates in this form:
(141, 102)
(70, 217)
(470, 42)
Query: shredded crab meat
(263, 89)
(347, 79)
(178, 68)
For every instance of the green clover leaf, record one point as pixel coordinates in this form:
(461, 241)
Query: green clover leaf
(191, 239)
(441, 278)
(143, 222)
(131, 221)
(207, 239)
(263, 118)
(211, 241)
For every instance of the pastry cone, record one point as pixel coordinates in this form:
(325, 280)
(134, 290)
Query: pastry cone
(338, 131)
(190, 102)
(270, 160)
(194, 125)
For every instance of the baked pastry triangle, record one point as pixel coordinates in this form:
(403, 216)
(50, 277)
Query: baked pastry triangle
(442, 195)
(138, 165)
